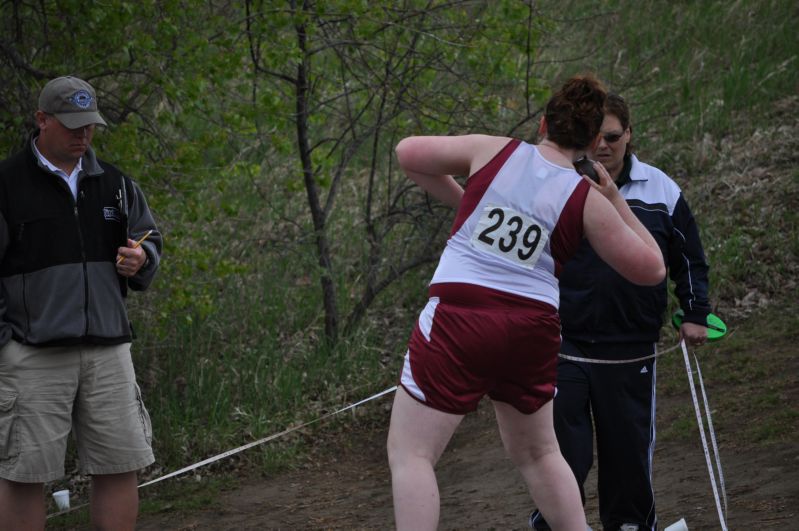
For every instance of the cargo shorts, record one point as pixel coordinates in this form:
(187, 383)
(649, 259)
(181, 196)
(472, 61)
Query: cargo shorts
(90, 390)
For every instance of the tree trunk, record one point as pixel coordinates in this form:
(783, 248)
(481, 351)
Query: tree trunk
(317, 212)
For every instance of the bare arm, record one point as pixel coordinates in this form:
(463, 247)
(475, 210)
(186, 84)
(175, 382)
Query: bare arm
(431, 161)
(618, 236)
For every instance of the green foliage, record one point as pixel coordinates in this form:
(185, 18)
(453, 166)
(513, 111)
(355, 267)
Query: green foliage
(724, 58)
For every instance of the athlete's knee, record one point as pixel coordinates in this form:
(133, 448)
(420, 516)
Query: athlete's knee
(525, 453)
(400, 459)
(405, 457)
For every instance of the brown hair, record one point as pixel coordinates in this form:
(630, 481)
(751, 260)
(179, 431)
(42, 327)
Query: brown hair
(616, 106)
(574, 113)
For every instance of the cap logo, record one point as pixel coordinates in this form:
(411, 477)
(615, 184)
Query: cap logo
(81, 99)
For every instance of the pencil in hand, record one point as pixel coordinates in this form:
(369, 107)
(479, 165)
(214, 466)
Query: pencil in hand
(146, 235)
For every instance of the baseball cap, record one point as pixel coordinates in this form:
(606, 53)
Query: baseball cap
(72, 101)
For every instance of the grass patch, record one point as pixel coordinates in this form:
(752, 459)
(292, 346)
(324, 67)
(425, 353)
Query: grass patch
(751, 375)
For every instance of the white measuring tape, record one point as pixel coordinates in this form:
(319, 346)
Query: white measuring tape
(244, 447)
(711, 472)
(265, 439)
(617, 362)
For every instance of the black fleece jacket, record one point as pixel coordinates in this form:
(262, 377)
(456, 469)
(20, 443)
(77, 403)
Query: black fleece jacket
(58, 279)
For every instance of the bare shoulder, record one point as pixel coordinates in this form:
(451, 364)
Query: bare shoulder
(484, 148)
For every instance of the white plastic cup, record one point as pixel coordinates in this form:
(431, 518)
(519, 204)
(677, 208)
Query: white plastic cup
(679, 525)
(61, 498)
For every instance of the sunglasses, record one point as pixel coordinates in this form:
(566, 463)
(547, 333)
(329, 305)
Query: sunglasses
(612, 138)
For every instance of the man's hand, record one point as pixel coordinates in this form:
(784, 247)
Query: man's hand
(130, 259)
(693, 334)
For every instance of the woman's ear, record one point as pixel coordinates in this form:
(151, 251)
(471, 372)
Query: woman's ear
(542, 128)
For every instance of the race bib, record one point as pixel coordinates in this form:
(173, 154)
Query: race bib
(506, 233)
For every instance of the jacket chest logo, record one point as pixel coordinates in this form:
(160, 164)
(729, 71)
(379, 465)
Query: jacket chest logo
(112, 214)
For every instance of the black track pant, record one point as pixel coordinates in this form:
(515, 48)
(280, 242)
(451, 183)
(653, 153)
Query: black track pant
(617, 401)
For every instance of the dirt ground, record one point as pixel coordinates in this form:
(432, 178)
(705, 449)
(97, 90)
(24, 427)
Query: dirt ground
(480, 489)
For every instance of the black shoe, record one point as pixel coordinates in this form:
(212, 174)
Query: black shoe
(536, 521)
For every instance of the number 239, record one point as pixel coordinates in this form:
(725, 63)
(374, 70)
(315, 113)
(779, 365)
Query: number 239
(508, 231)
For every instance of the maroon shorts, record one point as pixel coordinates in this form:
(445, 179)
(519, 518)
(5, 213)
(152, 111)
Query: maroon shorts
(471, 341)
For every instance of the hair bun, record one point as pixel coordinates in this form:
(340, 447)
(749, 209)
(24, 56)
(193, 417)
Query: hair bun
(574, 114)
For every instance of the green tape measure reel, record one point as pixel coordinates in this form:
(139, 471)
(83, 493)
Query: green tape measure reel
(716, 329)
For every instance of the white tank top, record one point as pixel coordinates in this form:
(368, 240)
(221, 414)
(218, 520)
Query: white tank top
(519, 219)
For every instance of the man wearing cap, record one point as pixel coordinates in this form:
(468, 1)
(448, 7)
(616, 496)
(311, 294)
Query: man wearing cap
(68, 227)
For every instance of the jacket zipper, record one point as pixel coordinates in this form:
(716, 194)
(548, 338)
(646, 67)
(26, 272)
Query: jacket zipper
(85, 271)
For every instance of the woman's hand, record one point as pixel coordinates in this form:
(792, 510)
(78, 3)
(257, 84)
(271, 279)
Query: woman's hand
(606, 186)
